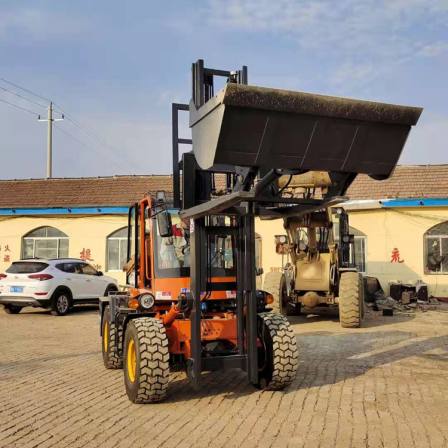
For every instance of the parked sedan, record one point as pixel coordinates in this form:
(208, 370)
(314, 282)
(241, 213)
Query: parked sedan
(57, 284)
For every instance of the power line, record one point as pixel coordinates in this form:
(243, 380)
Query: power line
(23, 97)
(73, 137)
(26, 90)
(20, 107)
(92, 148)
(89, 132)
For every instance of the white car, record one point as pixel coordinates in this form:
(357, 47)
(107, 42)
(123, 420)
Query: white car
(57, 284)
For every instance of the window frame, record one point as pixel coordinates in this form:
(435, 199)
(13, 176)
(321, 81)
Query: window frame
(45, 238)
(440, 237)
(119, 239)
(364, 239)
(87, 265)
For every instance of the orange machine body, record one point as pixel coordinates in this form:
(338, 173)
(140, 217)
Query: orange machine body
(166, 290)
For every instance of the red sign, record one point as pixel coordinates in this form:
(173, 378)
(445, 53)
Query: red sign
(395, 257)
(85, 254)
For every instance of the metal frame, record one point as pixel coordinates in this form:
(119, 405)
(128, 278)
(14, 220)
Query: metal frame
(251, 193)
(176, 141)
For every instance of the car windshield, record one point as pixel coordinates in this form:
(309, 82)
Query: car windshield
(26, 267)
(173, 253)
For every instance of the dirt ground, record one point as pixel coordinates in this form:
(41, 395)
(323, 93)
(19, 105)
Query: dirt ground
(384, 385)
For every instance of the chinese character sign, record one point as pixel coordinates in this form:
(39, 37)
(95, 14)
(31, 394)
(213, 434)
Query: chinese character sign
(6, 253)
(395, 256)
(86, 254)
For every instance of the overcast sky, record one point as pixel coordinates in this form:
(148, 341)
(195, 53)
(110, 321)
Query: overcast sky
(115, 67)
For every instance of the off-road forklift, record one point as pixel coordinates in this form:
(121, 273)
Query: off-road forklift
(192, 301)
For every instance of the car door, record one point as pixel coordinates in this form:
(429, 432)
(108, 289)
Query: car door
(95, 284)
(72, 279)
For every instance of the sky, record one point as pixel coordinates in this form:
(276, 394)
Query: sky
(115, 67)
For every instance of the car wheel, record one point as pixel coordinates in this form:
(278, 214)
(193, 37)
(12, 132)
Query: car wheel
(13, 309)
(110, 288)
(61, 303)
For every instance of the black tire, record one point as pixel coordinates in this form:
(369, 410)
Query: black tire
(362, 296)
(278, 359)
(350, 300)
(61, 302)
(146, 360)
(12, 309)
(286, 307)
(111, 343)
(110, 288)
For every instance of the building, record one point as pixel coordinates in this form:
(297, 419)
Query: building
(400, 225)
(80, 218)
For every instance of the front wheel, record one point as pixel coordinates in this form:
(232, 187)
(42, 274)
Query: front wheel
(351, 300)
(278, 356)
(146, 360)
(13, 309)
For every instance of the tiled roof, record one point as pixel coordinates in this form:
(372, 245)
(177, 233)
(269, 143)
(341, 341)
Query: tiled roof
(407, 181)
(80, 192)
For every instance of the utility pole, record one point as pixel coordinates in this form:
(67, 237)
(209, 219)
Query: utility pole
(50, 120)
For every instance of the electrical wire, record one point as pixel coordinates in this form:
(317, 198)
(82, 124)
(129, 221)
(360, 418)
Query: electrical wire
(69, 134)
(83, 143)
(88, 132)
(25, 90)
(19, 107)
(69, 117)
(23, 97)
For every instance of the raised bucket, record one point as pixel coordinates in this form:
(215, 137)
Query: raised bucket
(272, 128)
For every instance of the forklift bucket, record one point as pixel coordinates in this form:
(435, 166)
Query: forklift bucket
(271, 128)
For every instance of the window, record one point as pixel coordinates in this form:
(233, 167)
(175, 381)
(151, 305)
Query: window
(172, 254)
(360, 246)
(174, 251)
(117, 248)
(26, 267)
(88, 270)
(436, 249)
(360, 249)
(45, 242)
(71, 268)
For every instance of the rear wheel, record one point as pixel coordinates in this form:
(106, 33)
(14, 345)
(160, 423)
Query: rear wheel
(350, 300)
(13, 309)
(287, 307)
(146, 360)
(111, 343)
(61, 303)
(110, 288)
(278, 358)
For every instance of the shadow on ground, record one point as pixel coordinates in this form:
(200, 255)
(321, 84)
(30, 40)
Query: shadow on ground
(76, 310)
(326, 358)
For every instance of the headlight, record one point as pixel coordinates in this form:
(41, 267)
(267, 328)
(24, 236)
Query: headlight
(146, 301)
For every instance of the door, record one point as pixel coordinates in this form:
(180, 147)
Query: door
(95, 285)
(73, 279)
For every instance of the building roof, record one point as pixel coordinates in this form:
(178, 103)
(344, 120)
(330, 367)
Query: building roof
(407, 181)
(80, 192)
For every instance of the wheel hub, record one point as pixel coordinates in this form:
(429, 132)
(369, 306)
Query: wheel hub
(62, 304)
(131, 361)
(106, 336)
